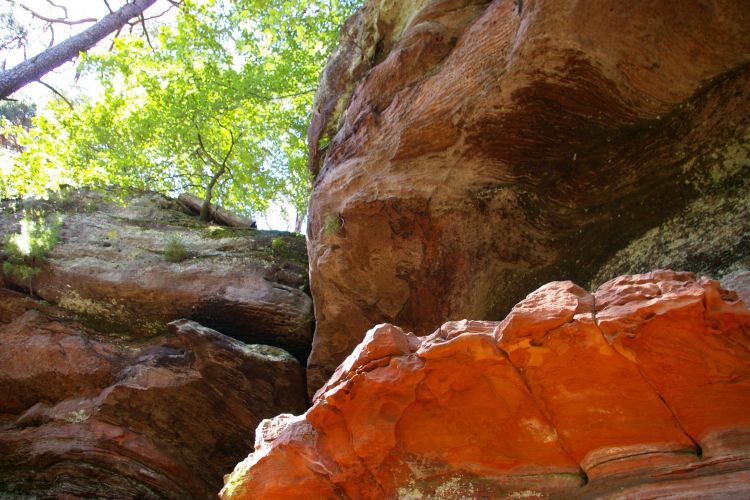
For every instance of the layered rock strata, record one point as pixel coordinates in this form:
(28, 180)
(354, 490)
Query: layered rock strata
(484, 148)
(641, 389)
(112, 268)
(84, 414)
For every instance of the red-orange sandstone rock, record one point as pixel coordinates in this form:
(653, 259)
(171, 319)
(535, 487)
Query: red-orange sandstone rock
(484, 148)
(701, 372)
(90, 415)
(580, 379)
(638, 390)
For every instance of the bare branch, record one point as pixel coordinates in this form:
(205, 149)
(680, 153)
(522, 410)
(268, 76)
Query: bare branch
(64, 9)
(229, 151)
(156, 16)
(19, 41)
(51, 35)
(108, 7)
(112, 45)
(205, 155)
(57, 92)
(145, 32)
(278, 97)
(231, 145)
(59, 20)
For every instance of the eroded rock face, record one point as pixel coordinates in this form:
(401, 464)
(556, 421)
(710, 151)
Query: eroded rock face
(91, 415)
(641, 389)
(111, 268)
(484, 148)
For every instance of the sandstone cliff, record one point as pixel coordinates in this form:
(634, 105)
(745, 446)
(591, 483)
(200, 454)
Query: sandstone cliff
(640, 390)
(468, 151)
(464, 153)
(110, 267)
(104, 394)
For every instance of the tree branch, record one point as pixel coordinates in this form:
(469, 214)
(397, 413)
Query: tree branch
(157, 16)
(222, 167)
(32, 69)
(280, 96)
(59, 20)
(51, 35)
(203, 151)
(112, 45)
(64, 9)
(57, 92)
(145, 32)
(231, 145)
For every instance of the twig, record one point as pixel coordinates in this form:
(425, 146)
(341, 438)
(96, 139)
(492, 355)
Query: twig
(53, 89)
(273, 97)
(52, 35)
(145, 33)
(156, 16)
(112, 45)
(56, 20)
(64, 9)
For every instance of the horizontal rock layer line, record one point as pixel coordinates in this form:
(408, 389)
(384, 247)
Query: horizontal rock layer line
(639, 389)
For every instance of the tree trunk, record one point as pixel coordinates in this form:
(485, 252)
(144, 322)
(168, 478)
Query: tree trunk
(205, 212)
(298, 219)
(34, 68)
(218, 214)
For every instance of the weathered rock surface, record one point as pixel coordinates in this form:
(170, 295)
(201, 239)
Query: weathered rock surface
(90, 415)
(484, 148)
(639, 390)
(111, 269)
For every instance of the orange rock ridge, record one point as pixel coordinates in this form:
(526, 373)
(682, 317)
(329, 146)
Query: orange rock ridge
(641, 389)
(483, 148)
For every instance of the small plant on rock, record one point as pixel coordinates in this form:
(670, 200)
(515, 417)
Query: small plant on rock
(332, 224)
(279, 246)
(27, 251)
(175, 250)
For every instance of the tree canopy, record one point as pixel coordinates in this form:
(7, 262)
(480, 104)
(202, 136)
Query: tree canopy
(216, 103)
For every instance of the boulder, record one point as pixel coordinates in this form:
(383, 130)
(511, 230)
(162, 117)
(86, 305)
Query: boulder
(484, 148)
(640, 389)
(86, 414)
(134, 263)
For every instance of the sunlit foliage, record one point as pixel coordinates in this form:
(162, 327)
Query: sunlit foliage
(222, 95)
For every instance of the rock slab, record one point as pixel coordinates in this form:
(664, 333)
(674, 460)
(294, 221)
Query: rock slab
(112, 269)
(84, 414)
(640, 389)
